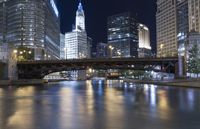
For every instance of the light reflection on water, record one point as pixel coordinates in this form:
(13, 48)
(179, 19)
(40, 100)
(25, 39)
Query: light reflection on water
(86, 105)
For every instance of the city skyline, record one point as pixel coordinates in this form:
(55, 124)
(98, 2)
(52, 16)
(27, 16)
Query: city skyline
(97, 13)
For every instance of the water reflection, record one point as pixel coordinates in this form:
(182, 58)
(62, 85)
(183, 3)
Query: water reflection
(108, 105)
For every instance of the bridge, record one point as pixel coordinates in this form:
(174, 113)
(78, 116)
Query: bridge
(39, 69)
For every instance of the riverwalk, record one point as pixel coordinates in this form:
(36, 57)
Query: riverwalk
(21, 82)
(189, 83)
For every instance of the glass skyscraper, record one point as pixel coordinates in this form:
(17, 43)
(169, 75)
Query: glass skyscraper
(31, 27)
(122, 34)
(182, 26)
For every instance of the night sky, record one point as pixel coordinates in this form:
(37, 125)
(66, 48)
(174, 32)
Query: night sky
(97, 11)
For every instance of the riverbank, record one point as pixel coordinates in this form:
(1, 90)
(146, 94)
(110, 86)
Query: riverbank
(28, 82)
(188, 83)
(21, 82)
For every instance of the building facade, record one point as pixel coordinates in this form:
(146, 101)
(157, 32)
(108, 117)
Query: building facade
(182, 26)
(175, 20)
(144, 41)
(166, 23)
(101, 50)
(122, 31)
(63, 49)
(78, 44)
(32, 27)
(194, 15)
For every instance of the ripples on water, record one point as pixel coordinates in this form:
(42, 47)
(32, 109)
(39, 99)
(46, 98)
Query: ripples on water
(83, 105)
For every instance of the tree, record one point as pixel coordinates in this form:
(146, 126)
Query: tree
(194, 59)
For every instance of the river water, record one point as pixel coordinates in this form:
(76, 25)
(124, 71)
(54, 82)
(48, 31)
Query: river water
(83, 105)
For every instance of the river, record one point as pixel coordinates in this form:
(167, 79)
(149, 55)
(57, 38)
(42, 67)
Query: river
(83, 105)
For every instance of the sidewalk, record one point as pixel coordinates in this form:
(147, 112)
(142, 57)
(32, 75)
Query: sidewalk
(189, 83)
(21, 82)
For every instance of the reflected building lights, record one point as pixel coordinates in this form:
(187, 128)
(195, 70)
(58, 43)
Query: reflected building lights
(190, 98)
(153, 96)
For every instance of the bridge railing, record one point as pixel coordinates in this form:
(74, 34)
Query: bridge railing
(103, 59)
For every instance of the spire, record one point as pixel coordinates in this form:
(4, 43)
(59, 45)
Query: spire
(80, 18)
(80, 7)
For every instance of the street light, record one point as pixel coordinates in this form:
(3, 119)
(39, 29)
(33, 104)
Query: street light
(15, 51)
(161, 47)
(111, 49)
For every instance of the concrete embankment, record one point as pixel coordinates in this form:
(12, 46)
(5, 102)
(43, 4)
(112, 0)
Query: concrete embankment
(21, 82)
(188, 83)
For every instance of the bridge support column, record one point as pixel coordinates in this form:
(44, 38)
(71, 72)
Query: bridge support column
(180, 68)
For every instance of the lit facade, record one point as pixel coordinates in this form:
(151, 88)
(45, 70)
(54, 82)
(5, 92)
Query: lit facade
(80, 18)
(63, 49)
(89, 47)
(33, 25)
(194, 15)
(3, 52)
(101, 50)
(123, 35)
(144, 41)
(182, 26)
(76, 42)
(76, 45)
(166, 23)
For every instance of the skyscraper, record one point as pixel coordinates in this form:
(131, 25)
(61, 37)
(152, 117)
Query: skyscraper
(166, 23)
(182, 26)
(144, 41)
(31, 27)
(122, 37)
(63, 50)
(77, 40)
(101, 50)
(194, 15)
(175, 20)
(77, 43)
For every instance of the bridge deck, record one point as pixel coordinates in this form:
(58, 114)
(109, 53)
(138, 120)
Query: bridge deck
(100, 60)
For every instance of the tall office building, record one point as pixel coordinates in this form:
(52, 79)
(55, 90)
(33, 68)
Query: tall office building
(31, 27)
(175, 20)
(89, 47)
(77, 43)
(63, 49)
(101, 50)
(122, 37)
(182, 26)
(77, 40)
(144, 41)
(194, 15)
(166, 23)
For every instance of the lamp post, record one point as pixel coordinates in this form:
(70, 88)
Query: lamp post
(111, 50)
(15, 53)
(161, 48)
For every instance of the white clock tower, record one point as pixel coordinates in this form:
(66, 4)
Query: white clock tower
(80, 18)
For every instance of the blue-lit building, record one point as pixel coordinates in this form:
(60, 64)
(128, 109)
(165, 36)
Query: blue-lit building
(101, 50)
(122, 32)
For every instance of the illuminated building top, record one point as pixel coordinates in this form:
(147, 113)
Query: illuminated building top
(80, 18)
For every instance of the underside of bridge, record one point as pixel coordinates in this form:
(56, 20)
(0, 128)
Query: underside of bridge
(39, 69)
